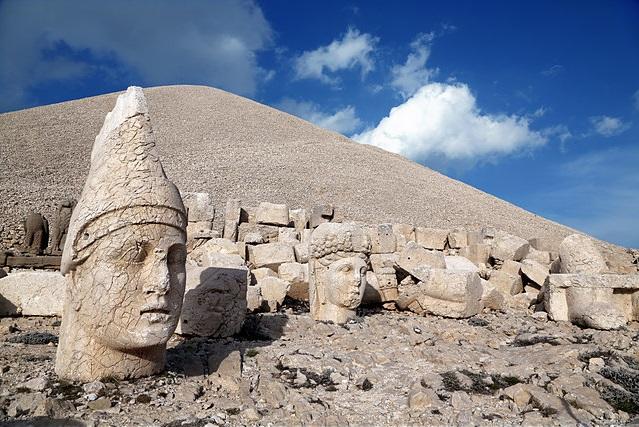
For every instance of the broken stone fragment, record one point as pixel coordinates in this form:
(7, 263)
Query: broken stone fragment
(258, 274)
(431, 238)
(506, 283)
(579, 254)
(321, 214)
(232, 213)
(272, 214)
(301, 252)
(542, 257)
(266, 233)
(205, 254)
(599, 301)
(416, 260)
(446, 293)
(32, 293)
(511, 267)
(215, 298)
(274, 291)
(505, 246)
(491, 297)
(534, 271)
(296, 275)
(404, 233)
(299, 218)
(478, 253)
(382, 239)
(272, 255)
(458, 239)
(288, 235)
(459, 263)
(198, 207)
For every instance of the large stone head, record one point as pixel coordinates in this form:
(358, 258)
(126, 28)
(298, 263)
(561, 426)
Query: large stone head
(339, 253)
(125, 250)
(346, 282)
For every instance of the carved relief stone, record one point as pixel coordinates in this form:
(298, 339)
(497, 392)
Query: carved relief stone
(61, 226)
(125, 254)
(36, 233)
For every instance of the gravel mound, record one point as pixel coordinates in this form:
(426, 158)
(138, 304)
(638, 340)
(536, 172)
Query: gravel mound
(231, 147)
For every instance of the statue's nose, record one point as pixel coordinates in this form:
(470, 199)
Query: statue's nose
(158, 280)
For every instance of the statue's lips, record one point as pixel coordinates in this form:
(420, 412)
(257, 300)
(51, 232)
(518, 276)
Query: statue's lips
(156, 313)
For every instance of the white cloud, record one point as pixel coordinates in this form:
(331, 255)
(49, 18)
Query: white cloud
(608, 126)
(353, 50)
(343, 121)
(636, 98)
(413, 74)
(443, 121)
(159, 41)
(553, 70)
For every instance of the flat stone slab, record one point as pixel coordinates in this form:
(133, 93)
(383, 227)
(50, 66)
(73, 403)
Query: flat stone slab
(32, 293)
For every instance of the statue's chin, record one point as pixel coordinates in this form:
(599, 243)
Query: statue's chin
(147, 334)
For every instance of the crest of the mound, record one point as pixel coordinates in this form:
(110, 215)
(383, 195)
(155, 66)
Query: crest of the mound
(126, 183)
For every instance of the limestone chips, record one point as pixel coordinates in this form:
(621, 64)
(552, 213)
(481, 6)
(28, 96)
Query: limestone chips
(125, 253)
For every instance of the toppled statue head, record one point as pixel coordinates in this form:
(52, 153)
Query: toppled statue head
(339, 260)
(125, 255)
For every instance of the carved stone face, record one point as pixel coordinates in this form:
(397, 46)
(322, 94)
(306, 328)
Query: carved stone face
(346, 282)
(128, 292)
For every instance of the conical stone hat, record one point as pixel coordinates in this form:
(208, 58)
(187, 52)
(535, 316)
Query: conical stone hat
(126, 183)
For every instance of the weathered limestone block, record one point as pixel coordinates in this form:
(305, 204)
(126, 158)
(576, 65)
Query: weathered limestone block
(478, 253)
(301, 252)
(321, 214)
(254, 301)
(198, 206)
(259, 274)
(272, 214)
(543, 244)
(474, 238)
(579, 254)
(232, 213)
(460, 263)
(305, 235)
(448, 293)
(215, 298)
(299, 218)
(509, 284)
(288, 235)
(416, 260)
(247, 232)
(296, 275)
(505, 246)
(125, 255)
(541, 257)
(272, 255)
(381, 287)
(32, 293)
(206, 254)
(274, 291)
(36, 233)
(511, 267)
(337, 269)
(61, 226)
(599, 301)
(491, 297)
(431, 238)
(382, 239)
(534, 271)
(458, 239)
(404, 233)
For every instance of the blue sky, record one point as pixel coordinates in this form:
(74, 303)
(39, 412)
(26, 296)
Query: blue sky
(534, 102)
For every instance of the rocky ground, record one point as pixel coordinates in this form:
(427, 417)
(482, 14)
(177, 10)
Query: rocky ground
(387, 368)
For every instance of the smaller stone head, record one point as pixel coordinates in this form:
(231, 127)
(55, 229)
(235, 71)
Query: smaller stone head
(346, 282)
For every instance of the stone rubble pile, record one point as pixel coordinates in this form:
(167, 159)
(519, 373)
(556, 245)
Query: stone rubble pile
(262, 256)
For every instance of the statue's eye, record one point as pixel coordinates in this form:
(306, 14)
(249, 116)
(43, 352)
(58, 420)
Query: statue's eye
(346, 269)
(140, 251)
